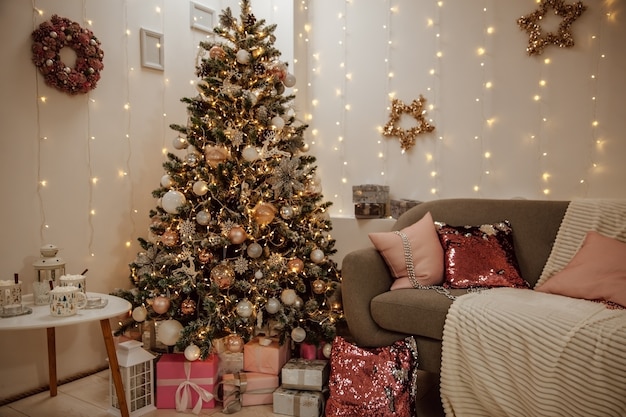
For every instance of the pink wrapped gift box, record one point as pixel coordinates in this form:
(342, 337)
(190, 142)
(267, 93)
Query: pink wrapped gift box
(247, 388)
(265, 355)
(298, 403)
(305, 374)
(182, 385)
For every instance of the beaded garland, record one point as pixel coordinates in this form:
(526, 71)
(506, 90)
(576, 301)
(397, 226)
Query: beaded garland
(54, 35)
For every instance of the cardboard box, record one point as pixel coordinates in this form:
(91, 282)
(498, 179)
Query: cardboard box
(248, 388)
(305, 374)
(198, 378)
(298, 403)
(265, 355)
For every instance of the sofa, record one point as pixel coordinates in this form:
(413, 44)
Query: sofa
(377, 316)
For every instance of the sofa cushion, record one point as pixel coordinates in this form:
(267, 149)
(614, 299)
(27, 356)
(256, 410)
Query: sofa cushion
(426, 252)
(480, 256)
(413, 311)
(596, 272)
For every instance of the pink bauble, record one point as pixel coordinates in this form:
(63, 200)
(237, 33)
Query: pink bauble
(161, 304)
(237, 235)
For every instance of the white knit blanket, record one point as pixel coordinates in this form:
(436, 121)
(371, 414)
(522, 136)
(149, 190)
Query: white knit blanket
(605, 216)
(513, 352)
(521, 353)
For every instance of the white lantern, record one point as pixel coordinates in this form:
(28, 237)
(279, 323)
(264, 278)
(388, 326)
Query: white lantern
(137, 369)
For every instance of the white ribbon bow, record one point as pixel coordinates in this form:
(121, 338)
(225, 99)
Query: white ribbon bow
(183, 393)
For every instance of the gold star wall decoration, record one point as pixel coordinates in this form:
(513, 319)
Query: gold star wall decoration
(563, 38)
(407, 136)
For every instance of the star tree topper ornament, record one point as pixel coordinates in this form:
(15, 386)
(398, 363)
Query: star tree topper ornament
(407, 136)
(563, 38)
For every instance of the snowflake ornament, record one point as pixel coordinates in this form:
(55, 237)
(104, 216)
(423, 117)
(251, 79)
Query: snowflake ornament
(286, 179)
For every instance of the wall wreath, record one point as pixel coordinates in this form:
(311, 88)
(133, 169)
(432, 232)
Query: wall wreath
(54, 35)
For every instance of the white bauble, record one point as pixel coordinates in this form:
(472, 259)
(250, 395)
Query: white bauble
(192, 353)
(327, 349)
(299, 303)
(290, 80)
(168, 332)
(200, 188)
(172, 200)
(166, 181)
(245, 308)
(258, 274)
(243, 56)
(203, 217)
(139, 314)
(286, 212)
(317, 255)
(272, 306)
(250, 153)
(278, 122)
(288, 296)
(180, 143)
(254, 250)
(298, 334)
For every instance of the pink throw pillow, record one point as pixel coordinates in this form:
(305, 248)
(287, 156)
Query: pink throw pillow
(425, 248)
(596, 272)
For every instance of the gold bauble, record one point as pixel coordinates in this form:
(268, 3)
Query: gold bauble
(237, 235)
(264, 213)
(216, 155)
(318, 286)
(188, 306)
(223, 276)
(169, 238)
(295, 265)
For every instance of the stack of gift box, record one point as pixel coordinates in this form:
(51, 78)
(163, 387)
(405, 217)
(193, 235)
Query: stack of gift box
(263, 373)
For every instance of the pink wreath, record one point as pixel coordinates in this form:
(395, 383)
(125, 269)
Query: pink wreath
(54, 35)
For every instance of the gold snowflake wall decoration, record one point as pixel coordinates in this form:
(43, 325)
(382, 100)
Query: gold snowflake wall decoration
(407, 136)
(563, 38)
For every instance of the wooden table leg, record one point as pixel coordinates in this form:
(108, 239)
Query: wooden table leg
(52, 361)
(115, 368)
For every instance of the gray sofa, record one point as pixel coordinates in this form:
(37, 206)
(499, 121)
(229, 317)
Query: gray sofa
(377, 316)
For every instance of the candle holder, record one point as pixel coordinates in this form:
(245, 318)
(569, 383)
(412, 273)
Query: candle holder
(49, 268)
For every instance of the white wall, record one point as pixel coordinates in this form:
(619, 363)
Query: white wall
(86, 136)
(433, 50)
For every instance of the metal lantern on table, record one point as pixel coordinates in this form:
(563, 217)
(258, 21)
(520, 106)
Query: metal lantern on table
(49, 268)
(137, 370)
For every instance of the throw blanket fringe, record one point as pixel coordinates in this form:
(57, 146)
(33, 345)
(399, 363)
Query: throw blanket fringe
(605, 216)
(513, 352)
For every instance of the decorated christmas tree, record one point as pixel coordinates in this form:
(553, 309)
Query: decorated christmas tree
(239, 241)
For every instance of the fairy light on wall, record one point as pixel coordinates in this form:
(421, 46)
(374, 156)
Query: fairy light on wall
(432, 158)
(40, 102)
(382, 144)
(125, 173)
(484, 58)
(341, 93)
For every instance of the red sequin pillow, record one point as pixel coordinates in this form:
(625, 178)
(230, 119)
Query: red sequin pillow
(372, 382)
(479, 256)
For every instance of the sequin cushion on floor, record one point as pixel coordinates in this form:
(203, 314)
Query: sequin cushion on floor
(372, 382)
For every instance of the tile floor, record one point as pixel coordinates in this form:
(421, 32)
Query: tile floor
(89, 397)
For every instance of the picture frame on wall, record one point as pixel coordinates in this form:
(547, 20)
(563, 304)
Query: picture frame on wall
(152, 50)
(201, 17)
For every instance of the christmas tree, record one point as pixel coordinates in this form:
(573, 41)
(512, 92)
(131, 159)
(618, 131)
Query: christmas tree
(239, 241)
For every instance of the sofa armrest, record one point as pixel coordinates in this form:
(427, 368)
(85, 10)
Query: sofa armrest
(364, 276)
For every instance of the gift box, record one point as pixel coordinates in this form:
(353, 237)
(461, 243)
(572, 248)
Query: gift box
(398, 207)
(305, 374)
(311, 351)
(182, 384)
(265, 355)
(246, 388)
(230, 363)
(370, 210)
(370, 193)
(298, 403)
